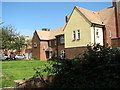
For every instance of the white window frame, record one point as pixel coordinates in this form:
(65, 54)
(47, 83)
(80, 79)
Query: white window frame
(78, 34)
(62, 40)
(109, 33)
(55, 53)
(74, 36)
(49, 43)
(55, 42)
(35, 44)
(62, 54)
(97, 31)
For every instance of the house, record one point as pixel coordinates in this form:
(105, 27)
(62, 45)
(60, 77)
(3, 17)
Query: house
(83, 27)
(47, 44)
(88, 27)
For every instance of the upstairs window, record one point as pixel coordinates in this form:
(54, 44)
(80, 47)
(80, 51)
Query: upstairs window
(49, 43)
(97, 32)
(62, 39)
(35, 44)
(78, 34)
(74, 35)
(55, 43)
(43, 48)
(109, 33)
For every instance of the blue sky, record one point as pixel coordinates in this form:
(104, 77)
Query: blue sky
(30, 16)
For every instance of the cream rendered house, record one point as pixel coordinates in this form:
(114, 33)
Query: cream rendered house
(83, 27)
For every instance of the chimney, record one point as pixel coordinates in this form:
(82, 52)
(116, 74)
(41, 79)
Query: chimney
(45, 29)
(67, 18)
(117, 16)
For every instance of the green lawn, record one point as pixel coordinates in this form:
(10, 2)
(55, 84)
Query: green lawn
(18, 70)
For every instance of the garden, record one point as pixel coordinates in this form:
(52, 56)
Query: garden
(98, 68)
(19, 70)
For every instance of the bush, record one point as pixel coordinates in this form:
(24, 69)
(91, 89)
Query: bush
(34, 57)
(99, 68)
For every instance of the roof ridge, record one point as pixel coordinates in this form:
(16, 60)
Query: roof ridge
(105, 9)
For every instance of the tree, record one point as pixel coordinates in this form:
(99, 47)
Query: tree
(8, 37)
(11, 39)
(28, 43)
(19, 43)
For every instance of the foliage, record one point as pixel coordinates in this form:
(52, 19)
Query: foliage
(11, 39)
(28, 43)
(34, 57)
(8, 37)
(19, 43)
(99, 68)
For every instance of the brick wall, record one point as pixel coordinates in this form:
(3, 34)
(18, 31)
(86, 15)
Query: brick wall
(36, 50)
(116, 42)
(42, 52)
(111, 25)
(73, 52)
(59, 46)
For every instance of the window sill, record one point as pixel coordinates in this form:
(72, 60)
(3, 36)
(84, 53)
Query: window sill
(61, 43)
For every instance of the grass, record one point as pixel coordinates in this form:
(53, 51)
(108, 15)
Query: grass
(19, 70)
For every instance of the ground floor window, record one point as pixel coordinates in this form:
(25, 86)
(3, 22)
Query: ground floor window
(55, 53)
(62, 54)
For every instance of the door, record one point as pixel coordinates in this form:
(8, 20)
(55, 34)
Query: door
(50, 55)
(26, 54)
(30, 55)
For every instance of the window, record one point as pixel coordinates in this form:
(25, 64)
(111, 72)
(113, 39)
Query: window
(55, 42)
(35, 44)
(74, 35)
(62, 54)
(43, 48)
(62, 39)
(97, 33)
(49, 43)
(78, 31)
(55, 53)
(109, 33)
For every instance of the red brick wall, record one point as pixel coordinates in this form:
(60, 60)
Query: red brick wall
(36, 51)
(111, 25)
(57, 47)
(42, 52)
(60, 46)
(73, 52)
(116, 42)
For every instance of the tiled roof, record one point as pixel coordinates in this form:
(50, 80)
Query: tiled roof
(47, 35)
(97, 17)
(105, 14)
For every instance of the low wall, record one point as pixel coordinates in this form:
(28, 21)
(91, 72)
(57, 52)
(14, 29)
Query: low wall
(33, 83)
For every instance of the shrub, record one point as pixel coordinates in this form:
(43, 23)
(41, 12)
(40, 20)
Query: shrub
(34, 57)
(99, 68)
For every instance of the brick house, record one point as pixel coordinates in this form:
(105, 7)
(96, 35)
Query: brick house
(47, 44)
(83, 27)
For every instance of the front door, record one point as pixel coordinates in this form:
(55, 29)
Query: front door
(50, 55)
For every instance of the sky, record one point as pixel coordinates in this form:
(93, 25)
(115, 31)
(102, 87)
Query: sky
(27, 17)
